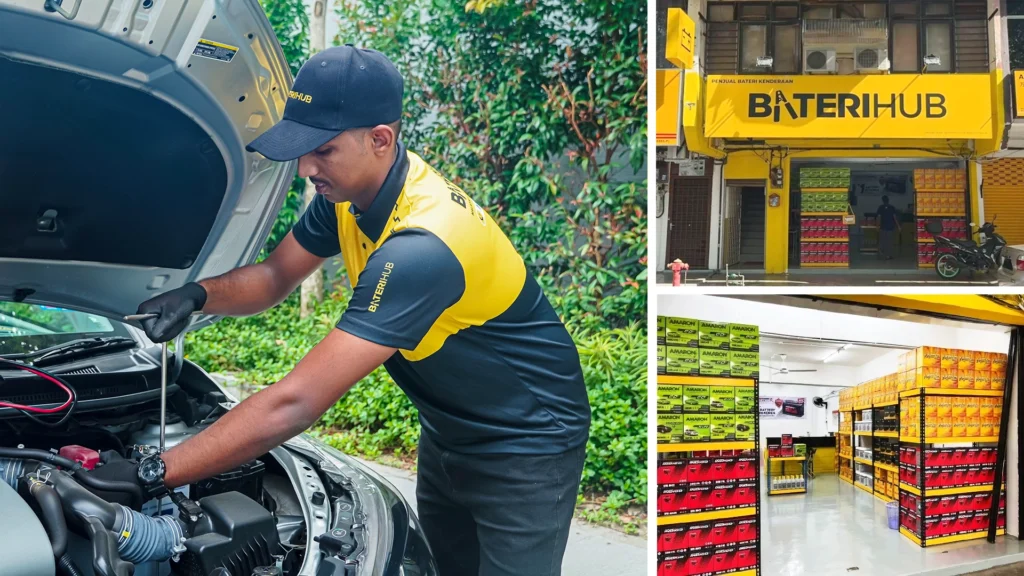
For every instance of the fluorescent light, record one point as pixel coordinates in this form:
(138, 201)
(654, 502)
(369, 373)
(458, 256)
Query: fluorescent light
(835, 353)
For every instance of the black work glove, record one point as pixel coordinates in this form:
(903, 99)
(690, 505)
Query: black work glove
(174, 309)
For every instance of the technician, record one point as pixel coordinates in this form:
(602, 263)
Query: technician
(441, 299)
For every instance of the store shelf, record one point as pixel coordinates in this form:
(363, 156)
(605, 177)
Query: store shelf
(925, 265)
(792, 491)
(949, 392)
(787, 458)
(888, 467)
(823, 213)
(949, 439)
(955, 491)
(859, 407)
(702, 446)
(832, 190)
(887, 434)
(864, 488)
(862, 433)
(705, 381)
(910, 488)
(884, 498)
(948, 539)
(938, 189)
(704, 516)
(930, 215)
(845, 479)
(835, 240)
(845, 457)
(862, 461)
(926, 240)
(824, 265)
(884, 404)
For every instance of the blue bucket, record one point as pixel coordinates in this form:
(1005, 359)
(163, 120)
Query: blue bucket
(892, 510)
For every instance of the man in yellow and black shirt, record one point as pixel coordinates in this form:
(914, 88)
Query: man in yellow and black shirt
(441, 299)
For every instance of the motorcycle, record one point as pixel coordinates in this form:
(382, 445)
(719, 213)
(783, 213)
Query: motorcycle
(967, 254)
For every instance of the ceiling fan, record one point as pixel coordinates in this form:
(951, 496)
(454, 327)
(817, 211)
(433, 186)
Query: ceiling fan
(783, 369)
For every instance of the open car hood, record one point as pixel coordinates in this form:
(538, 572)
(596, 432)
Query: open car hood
(123, 172)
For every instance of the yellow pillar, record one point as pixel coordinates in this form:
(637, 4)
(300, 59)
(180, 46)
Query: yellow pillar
(776, 229)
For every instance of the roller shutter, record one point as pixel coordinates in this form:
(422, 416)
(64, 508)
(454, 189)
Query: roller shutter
(1003, 195)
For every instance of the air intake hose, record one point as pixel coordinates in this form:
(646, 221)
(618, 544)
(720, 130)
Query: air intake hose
(143, 538)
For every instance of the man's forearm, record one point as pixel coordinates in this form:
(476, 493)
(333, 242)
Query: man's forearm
(243, 291)
(251, 429)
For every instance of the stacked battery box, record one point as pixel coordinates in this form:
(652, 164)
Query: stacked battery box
(708, 467)
(824, 199)
(940, 194)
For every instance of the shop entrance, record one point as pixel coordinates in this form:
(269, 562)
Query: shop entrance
(867, 214)
(743, 226)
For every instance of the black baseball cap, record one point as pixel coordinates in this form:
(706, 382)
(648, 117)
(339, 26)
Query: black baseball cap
(340, 88)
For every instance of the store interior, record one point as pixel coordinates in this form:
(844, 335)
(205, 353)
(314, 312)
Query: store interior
(826, 472)
(823, 191)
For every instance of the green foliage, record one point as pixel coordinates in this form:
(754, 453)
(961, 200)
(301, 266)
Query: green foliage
(290, 22)
(375, 416)
(537, 110)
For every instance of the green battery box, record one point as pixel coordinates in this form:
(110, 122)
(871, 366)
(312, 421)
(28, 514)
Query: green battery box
(696, 399)
(681, 332)
(800, 450)
(744, 337)
(746, 403)
(662, 366)
(660, 334)
(744, 364)
(682, 361)
(670, 428)
(696, 427)
(723, 399)
(723, 427)
(670, 398)
(714, 335)
(714, 362)
(745, 426)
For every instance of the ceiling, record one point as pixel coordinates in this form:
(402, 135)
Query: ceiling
(800, 351)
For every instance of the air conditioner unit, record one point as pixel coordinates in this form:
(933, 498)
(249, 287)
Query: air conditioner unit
(871, 59)
(819, 61)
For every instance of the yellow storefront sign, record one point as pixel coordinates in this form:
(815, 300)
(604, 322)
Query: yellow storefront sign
(877, 107)
(668, 85)
(679, 35)
(1018, 92)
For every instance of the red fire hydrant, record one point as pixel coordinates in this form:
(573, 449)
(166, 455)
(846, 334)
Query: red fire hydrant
(678, 266)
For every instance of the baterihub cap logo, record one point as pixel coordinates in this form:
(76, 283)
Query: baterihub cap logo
(810, 105)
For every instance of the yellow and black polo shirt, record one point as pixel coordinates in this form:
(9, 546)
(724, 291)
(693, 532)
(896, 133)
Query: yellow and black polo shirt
(481, 352)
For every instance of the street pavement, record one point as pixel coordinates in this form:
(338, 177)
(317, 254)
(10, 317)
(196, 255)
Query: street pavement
(703, 278)
(591, 549)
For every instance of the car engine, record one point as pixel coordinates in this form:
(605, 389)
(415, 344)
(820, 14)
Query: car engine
(67, 520)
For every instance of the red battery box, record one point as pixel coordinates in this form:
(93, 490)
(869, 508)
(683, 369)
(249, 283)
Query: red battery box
(698, 470)
(672, 538)
(698, 497)
(724, 532)
(672, 501)
(746, 467)
(722, 468)
(746, 557)
(672, 472)
(746, 530)
(674, 565)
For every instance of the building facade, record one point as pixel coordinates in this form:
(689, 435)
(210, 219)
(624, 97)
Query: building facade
(798, 120)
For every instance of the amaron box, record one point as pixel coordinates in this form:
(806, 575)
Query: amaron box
(662, 366)
(723, 427)
(682, 332)
(744, 337)
(671, 428)
(745, 364)
(723, 399)
(660, 331)
(696, 399)
(714, 362)
(745, 427)
(746, 402)
(697, 427)
(714, 335)
(670, 398)
(682, 361)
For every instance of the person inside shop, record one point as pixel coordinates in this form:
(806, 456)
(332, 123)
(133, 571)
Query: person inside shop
(889, 228)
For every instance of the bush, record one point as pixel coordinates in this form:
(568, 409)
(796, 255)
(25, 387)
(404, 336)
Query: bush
(376, 417)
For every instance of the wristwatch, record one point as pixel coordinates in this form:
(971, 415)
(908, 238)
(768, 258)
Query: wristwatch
(151, 475)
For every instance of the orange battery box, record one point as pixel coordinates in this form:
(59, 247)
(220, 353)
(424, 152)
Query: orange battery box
(947, 378)
(959, 427)
(927, 378)
(944, 429)
(987, 427)
(948, 359)
(931, 409)
(959, 407)
(965, 378)
(997, 362)
(973, 426)
(928, 357)
(982, 380)
(945, 407)
(965, 360)
(911, 361)
(982, 362)
(998, 380)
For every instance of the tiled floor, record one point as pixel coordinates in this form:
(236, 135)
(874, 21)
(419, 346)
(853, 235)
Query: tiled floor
(836, 529)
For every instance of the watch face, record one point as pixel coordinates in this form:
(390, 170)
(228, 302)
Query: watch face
(151, 470)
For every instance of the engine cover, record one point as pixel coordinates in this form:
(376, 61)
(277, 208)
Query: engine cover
(24, 547)
(235, 533)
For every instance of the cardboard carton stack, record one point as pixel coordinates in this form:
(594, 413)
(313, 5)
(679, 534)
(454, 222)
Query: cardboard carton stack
(933, 367)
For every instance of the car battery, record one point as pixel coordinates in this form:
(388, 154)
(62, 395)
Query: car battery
(247, 479)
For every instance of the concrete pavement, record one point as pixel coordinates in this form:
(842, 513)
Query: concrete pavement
(591, 549)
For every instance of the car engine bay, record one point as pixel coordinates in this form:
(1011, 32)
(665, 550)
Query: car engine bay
(260, 519)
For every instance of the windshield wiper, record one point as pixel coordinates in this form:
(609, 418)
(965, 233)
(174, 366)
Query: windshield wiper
(74, 348)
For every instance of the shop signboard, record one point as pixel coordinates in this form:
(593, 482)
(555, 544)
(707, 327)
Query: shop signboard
(781, 407)
(856, 107)
(669, 97)
(1018, 93)
(679, 35)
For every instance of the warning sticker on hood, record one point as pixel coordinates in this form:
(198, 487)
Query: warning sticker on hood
(215, 50)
